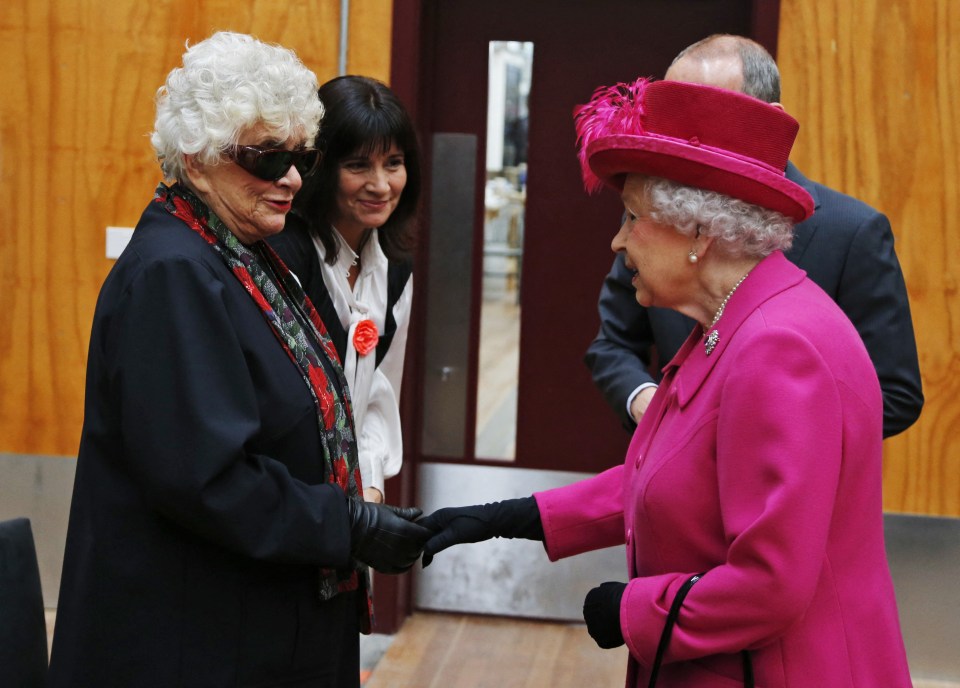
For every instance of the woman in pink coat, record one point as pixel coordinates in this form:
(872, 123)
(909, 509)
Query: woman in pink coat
(758, 464)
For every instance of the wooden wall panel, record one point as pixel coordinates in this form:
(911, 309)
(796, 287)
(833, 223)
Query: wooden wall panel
(78, 82)
(370, 31)
(874, 85)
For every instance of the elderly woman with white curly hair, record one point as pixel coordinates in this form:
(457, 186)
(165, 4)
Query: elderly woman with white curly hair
(216, 534)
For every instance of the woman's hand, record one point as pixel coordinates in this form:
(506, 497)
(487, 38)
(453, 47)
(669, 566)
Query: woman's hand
(372, 494)
(513, 518)
(601, 611)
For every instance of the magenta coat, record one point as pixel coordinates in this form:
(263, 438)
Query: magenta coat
(759, 465)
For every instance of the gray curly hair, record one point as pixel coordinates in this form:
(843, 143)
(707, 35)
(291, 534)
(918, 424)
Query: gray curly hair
(227, 84)
(741, 229)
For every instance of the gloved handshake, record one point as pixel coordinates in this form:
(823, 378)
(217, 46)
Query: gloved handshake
(385, 537)
(390, 539)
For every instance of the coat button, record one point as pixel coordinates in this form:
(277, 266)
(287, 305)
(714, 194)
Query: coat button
(639, 459)
(629, 536)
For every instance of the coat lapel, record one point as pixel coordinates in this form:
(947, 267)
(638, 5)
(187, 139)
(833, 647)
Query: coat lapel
(771, 276)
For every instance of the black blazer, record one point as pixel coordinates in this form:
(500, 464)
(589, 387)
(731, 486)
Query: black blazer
(201, 515)
(846, 248)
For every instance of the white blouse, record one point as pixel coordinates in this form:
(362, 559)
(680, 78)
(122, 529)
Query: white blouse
(374, 390)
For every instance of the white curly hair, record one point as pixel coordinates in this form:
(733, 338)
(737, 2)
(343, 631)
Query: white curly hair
(741, 229)
(229, 83)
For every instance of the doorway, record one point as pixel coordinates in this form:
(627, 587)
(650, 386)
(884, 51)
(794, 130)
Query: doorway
(551, 426)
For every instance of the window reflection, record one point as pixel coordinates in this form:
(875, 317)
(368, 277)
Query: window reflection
(510, 66)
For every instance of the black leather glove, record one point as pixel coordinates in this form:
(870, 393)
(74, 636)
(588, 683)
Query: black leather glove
(513, 518)
(385, 537)
(601, 611)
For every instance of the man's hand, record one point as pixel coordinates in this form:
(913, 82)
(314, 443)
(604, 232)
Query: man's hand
(640, 403)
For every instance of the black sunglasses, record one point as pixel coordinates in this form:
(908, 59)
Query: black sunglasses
(270, 164)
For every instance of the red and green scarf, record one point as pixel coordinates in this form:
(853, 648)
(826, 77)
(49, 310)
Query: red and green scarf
(281, 298)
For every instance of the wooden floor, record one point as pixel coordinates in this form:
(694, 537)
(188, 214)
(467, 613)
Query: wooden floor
(465, 651)
(434, 650)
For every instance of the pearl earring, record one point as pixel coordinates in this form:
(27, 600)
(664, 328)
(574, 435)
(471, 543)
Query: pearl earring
(692, 257)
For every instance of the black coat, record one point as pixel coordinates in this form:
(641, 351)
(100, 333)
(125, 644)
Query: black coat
(200, 515)
(846, 248)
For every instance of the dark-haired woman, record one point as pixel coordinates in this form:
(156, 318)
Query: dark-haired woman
(348, 240)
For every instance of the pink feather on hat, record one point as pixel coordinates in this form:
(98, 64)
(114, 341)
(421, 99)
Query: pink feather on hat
(696, 135)
(612, 110)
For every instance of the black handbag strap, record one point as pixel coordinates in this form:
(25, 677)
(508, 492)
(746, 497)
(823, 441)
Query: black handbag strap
(668, 631)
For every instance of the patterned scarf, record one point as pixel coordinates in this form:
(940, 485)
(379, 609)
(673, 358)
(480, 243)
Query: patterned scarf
(281, 299)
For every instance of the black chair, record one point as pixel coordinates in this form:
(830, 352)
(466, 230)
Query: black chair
(23, 631)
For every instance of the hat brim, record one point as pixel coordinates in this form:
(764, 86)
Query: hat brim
(612, 158)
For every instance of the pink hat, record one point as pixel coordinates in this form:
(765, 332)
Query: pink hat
(699, 136)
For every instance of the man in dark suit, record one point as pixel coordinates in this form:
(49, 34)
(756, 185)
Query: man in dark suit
(846, 247)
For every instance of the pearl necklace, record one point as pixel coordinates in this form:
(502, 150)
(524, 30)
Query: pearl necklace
(711, 340)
